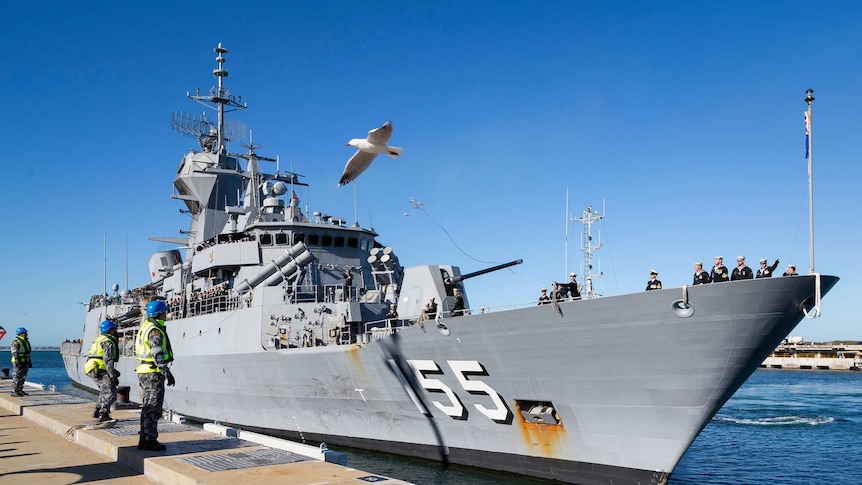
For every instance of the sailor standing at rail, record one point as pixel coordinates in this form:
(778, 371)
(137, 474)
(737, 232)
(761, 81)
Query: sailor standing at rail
(458, 306)
(153, 349)
(21, 362)
(102, 356)
(574, 287)
(741, 272)
(432, 309)
(544, 299)
(766, 271)
(719, 271)
(700, 276)
(653, 283)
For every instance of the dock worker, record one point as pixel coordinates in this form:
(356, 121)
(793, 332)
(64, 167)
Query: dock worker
(653, 283)
(741, 272)
(153, 350)
(100, 366)
(719, 271)
(766, 271)
(701, 277)
(21, 362)
(791, 271)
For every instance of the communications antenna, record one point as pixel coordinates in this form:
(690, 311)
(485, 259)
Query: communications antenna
(589, 247)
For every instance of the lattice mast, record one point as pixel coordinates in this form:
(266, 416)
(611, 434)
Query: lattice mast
(589, 247)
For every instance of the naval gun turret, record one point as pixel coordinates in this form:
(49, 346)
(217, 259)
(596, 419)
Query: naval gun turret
(422, 283)
(452, 281)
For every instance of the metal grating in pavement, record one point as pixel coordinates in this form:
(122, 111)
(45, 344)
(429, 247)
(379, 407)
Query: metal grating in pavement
(51, 399)
(128, 427)
(243, 459)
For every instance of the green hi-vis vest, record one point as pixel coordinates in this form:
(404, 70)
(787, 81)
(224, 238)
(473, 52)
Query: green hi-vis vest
(23, 354)
(96, 355)
(143, 351)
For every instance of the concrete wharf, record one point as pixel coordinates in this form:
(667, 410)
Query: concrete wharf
(51, 438)
(822, 356)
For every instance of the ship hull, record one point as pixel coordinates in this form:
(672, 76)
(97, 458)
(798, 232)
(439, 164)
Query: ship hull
(608, 390)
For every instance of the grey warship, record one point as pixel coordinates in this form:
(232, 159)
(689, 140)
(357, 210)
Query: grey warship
(268, 336)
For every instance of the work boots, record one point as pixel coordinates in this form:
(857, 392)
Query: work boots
(97, 411)
(150, 445)
(105, 417)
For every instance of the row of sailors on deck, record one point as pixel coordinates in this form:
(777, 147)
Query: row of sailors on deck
(241, 237)
(720, 273)
(562, 291)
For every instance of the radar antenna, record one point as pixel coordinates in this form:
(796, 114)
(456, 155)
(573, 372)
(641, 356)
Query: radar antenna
(205, 130)
(212, 136)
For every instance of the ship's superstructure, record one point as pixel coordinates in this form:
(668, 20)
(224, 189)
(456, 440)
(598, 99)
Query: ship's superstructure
(278, 323)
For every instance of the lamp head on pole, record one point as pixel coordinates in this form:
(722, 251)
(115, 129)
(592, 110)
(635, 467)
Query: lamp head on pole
(809, 96)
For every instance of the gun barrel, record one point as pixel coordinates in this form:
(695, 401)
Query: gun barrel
(463, 277)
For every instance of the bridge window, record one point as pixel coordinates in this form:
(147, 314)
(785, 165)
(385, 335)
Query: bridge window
(339, 241)
(314, 240)
(298, 237)
(281, 239)
(352, 242)
(266, 239)
(326, 240)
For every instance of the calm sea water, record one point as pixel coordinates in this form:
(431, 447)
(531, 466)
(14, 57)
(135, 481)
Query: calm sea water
(781, 427)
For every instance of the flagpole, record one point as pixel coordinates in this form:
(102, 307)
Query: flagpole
(809, 98)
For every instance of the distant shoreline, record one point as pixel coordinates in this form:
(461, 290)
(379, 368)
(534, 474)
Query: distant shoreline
(34, 349)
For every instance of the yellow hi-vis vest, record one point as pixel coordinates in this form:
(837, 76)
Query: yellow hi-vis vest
(96, 354)
(143, 351)
(23, 353)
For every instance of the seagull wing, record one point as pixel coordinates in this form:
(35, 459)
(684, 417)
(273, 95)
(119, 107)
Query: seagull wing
(355, 166)
(380, 136)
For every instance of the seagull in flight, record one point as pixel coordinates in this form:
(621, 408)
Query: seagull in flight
(367, 150)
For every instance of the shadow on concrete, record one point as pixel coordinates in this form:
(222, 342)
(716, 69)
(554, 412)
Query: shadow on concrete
(86, 473)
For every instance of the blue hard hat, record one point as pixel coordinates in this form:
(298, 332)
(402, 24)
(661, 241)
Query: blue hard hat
(107, 326)
(21, 330)
(156, 307)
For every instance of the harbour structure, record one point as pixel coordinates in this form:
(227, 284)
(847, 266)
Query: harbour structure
(815, 356)
(278, 324)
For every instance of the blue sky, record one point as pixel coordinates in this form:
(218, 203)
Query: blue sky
(684, 118)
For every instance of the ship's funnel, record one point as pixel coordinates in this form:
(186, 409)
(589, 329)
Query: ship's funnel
(276, 265)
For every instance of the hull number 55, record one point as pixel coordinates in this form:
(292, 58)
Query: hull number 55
(466, 371)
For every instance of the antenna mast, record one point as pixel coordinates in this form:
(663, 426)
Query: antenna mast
(588, 247)
(219, 99)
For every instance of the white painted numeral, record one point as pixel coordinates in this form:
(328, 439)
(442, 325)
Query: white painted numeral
(422, 367)
(463, 368)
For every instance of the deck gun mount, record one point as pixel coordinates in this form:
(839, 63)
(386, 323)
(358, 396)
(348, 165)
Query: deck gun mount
(452, 281)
